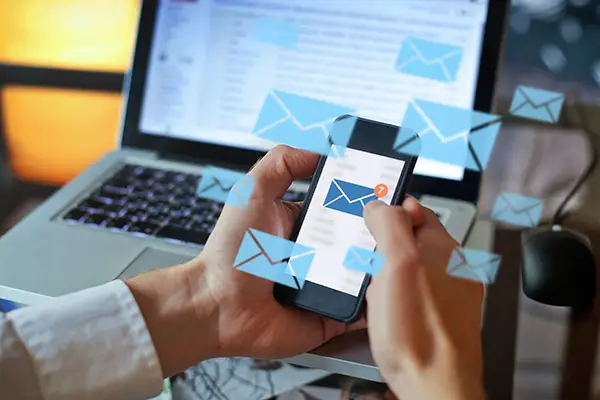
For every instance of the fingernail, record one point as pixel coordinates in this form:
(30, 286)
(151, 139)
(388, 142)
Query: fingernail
(255, 164)
(373, 205)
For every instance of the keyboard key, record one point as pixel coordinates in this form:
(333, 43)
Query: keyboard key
(96, 219)
(178, 222)
(107, 195)
(146, 228)
(119, 190)
(75, 215)
(113, 208)
(183, 235)
(93, 204)
(117, 223)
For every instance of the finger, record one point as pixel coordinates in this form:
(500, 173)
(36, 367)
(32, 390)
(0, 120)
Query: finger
(392, 229)
(415, 209)
(295, 207)
(276, 171)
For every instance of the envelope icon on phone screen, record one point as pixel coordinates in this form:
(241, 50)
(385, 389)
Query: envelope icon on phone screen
(364, 260)
(226, 186)
(475, 265)
(448, 134)
(348, 197)
(301, 122)
(518, 210)
(274, 258)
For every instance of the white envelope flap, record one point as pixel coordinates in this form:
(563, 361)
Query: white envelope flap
(432, 127)
(303, 127)
(474, 266)
(438, 60)
(224, 186)
(265, 254)
(524, 208)
(537, 103)
(361, 260)
(347, 198)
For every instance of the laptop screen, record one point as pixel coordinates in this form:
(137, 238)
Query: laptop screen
(213, 63)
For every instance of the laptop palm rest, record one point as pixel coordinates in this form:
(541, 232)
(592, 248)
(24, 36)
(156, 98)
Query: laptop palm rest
(150, 259)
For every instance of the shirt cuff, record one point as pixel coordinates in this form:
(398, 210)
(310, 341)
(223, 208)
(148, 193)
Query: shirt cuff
(92, 344)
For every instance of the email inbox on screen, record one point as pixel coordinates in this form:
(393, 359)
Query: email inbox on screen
(334, 222)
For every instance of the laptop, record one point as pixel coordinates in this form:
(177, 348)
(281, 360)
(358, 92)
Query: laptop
(196, 86)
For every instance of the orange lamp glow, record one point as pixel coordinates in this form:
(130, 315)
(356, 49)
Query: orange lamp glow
(53, 134)
(70, 34)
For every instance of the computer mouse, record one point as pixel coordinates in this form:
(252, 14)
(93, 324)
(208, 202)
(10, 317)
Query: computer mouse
(559, 267)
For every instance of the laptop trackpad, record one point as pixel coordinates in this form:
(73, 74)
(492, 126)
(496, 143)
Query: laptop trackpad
(150, 259)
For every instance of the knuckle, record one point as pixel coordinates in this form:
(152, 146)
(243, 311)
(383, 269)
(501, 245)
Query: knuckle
(406, 257)
(429, 214)
(280, 150)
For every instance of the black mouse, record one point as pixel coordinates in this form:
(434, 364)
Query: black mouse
(559, 267)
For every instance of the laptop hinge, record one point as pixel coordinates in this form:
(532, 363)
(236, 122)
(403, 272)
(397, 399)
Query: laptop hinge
(140, 152)
(196, 160)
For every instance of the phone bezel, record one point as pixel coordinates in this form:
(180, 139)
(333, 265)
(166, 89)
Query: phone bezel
(373, 137)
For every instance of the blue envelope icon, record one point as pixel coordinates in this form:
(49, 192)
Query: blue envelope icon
(280, 32)
(274, 258)
(226, 186)
(8, 305)
(517, 209)
(348, 197)
(538, 104)
(428, 59)
(448, 134)
(364, 260)
(475, 265)
(303, 122)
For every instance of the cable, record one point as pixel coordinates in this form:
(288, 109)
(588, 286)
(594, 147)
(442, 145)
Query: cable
(585, 125)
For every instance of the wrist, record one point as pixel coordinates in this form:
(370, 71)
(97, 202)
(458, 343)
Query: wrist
(180, 317)
(443, 378)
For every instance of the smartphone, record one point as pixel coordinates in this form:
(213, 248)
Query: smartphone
(331, 224)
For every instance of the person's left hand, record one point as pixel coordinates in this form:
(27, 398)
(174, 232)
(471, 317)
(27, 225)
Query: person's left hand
(249, 321)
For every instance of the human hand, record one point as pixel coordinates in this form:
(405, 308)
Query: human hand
(248, 320)
(424, 325)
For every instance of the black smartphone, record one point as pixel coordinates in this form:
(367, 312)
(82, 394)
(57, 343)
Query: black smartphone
(331, 220)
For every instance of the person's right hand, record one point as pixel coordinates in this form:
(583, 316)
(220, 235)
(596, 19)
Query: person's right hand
(424, 325)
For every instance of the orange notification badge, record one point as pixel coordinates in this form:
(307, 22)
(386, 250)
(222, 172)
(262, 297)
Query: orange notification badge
(380, 190)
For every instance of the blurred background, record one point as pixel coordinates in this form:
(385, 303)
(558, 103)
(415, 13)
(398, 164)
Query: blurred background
(62, 64)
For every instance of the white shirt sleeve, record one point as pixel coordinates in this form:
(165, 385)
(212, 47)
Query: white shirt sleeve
(92, 344)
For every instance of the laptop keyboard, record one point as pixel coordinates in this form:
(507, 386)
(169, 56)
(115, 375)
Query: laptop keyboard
(152, 202)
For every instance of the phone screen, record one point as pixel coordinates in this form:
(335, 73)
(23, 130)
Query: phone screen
(333, 221)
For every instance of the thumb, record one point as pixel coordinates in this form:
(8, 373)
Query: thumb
(392, 229)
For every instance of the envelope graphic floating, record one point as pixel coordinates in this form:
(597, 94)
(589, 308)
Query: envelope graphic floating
(517, 209)
(475, 265)
(448, 134)
(428, 59)
(538, 104)
(274, 258)
(348, 197)
(302, 122)
(226, 186)
(364, 260)
(280, 32)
